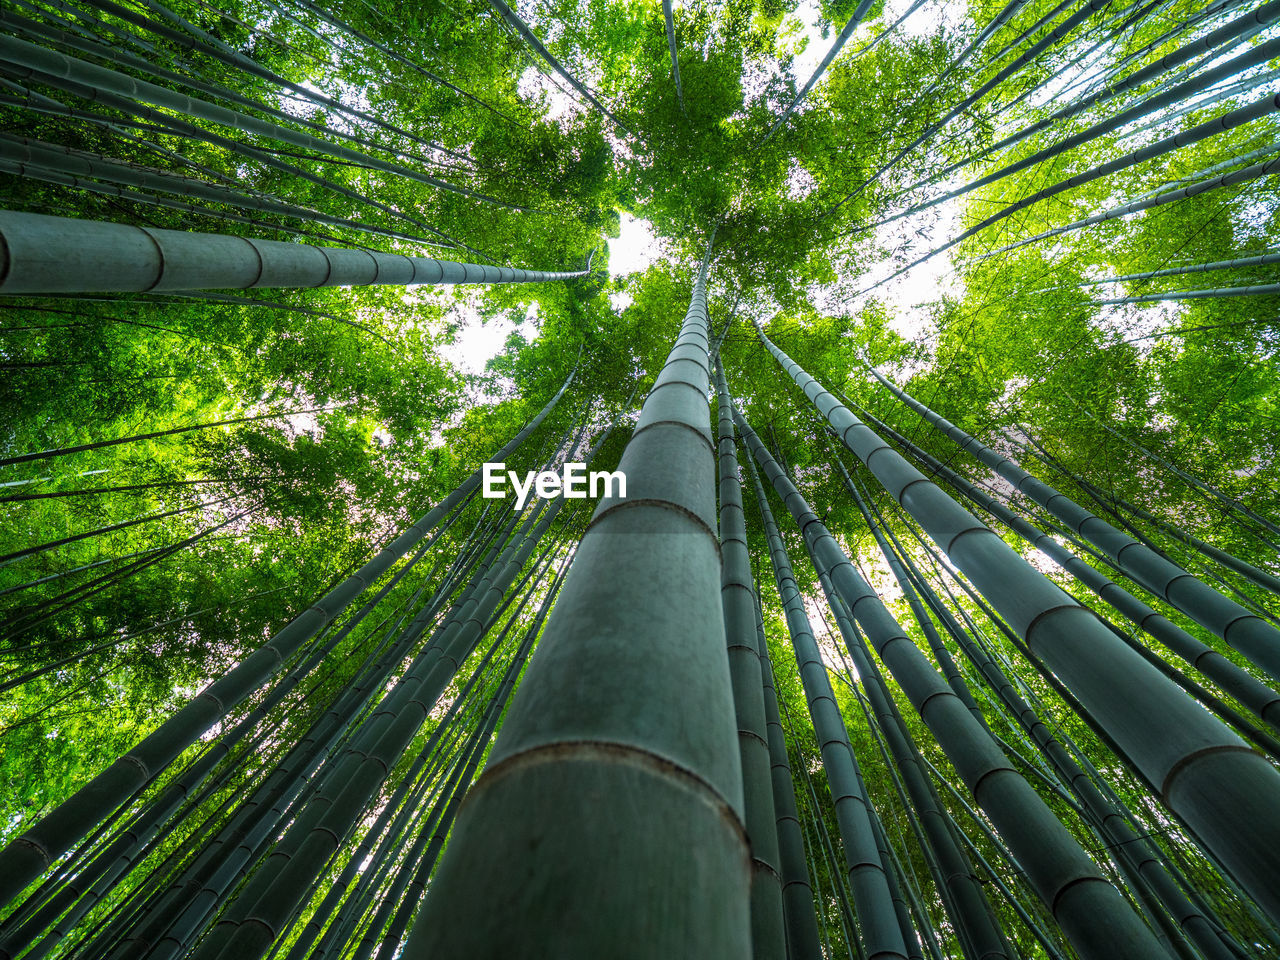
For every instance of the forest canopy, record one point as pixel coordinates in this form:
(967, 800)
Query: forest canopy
(949, 587)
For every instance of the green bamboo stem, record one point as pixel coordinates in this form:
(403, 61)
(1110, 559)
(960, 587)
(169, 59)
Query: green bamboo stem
(153, 435)
(108, 528)
(1250, 691)
(737, 592)
(513, 20)
(969, 910)
(25, 157)
(61, 69)
(281, 883)
(407, 891)
(1212, 293)
(1051, 946)
(669, 16)
(135, 115)
(1233, 505)
(387, 51)
(1062, 874)
(122, 58)
(1081, 15)
(855, 18)
(1206, 185)
(446, 792)
(818, 838)
(1254, 56)
(1110, 812)
(1247, 570)
(188, 898)
(58, 255)
(165, 813)
(797, 893)
(1263, 107)
(873, 899)
(1134, 853)
(610, 764)
(200, 42)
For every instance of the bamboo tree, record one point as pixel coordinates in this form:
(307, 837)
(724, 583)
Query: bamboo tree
(446, 793)
(1230, 120)
(98, 531)
(738, 594)
(1082, 14)
(669, 17)
(1214, 293)
(816, 820)
(196, 40)
(1005, 14)
(968, 907)
(1202, 81)
(1247, 570)
(576, 751)
(1260, 698)
(832, 52)
(49, 607)
(382, 48)
(527, 35)
(92, 880)
(124, 488)
(797, 894)
(1136, 854)
(279, 885)
(30, 158)
(299, 804)
(1238, 176)
(405, 905)
(1233, 506)
(154, 435)
(913, 890)
(1227, 794)
(114, 54)
(287, 773)
(71, 73)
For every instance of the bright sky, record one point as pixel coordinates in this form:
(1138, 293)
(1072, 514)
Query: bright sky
(926, 282)
(479, 341)
(806, 61)
(533, 82)
(634, 249)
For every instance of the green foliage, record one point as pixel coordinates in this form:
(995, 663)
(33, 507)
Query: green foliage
(260, 516)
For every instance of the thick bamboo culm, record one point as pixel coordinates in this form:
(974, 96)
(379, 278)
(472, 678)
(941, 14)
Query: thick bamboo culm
(570, 742)
(43, 254)
(1253, 693)
(738, 597)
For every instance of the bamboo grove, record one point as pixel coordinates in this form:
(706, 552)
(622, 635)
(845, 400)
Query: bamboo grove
(937, 617)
